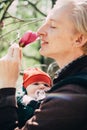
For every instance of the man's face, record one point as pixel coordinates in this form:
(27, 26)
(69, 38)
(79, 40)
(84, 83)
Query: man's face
(57, 34)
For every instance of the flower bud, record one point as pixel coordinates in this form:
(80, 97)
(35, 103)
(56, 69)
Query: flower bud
(28, 38)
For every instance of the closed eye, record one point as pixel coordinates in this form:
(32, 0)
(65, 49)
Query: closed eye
(52, 27)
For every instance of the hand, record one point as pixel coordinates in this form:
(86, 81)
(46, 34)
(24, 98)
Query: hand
(10, 67)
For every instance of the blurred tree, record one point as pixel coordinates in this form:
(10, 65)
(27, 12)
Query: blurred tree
(4, 5)
(17, 17)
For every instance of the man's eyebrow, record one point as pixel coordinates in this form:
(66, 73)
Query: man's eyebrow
(50, 19)
(56, 21)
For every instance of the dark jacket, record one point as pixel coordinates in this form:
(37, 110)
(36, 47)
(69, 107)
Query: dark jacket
(64, 108)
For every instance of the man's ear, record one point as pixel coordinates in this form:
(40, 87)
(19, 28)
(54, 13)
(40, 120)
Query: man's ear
(81, 40)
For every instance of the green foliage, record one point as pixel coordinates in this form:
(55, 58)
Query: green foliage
(19, 16)
(4, 5)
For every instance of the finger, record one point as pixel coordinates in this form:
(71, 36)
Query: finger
(17, 54)
(21, 55)
(11, 49)
(10, 52)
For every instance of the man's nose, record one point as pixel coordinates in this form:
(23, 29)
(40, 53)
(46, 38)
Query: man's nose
(41, 31)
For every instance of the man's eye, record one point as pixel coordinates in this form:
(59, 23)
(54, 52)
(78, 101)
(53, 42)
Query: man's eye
(52, 26)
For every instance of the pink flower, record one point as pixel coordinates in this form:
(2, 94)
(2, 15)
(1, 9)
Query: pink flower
(28, 38)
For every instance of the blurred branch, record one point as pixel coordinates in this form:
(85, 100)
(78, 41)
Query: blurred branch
(33, 21)
(20, 20)
(34, 6)
(5, 9)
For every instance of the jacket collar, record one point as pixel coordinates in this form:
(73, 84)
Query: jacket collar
(76, 66)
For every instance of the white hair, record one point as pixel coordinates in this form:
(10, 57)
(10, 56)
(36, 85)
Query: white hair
(78, 14)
